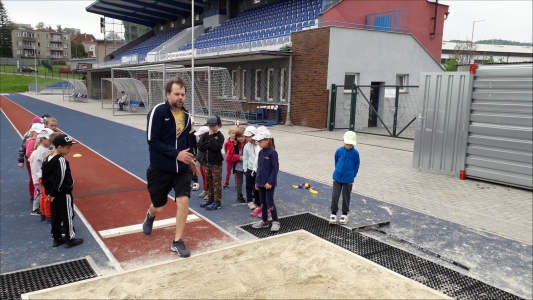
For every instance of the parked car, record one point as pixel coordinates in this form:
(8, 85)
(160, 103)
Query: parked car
(28, 69)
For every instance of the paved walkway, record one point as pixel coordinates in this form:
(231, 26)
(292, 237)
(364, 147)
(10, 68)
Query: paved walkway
(385, 174)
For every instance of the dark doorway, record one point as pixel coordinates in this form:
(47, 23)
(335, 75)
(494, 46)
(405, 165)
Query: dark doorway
(233, 8)
(374, 102)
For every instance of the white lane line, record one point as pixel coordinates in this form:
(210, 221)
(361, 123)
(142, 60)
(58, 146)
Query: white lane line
(107, 233)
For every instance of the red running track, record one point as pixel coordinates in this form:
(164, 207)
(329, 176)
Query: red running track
(109, 197)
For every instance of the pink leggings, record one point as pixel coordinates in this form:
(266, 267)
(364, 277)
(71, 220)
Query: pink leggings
(229, 169)
(31, 187)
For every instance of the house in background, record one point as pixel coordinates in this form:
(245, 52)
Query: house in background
(43, 43)
(88, 41)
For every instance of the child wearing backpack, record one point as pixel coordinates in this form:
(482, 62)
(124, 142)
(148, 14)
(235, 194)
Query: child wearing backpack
(235, 158)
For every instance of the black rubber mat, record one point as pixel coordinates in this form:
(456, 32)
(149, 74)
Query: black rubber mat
(16, 283)
(435, 276)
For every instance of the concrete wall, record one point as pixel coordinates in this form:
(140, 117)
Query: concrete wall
(419, 18)
(215, 20)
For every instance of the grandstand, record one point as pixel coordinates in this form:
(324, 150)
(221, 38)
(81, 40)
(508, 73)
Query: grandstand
(285, 53)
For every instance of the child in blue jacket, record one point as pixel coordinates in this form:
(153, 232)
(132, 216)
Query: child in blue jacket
(346, 168)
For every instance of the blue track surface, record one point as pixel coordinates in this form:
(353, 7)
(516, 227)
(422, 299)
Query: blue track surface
(26, 241)
(495, 260)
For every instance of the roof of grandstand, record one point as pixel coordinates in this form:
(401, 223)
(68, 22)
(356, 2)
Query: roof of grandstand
(145, 12)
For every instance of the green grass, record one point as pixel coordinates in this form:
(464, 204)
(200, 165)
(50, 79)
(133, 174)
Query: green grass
(19, 83)
(42, 71)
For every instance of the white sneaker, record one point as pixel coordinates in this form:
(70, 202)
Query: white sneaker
(251, 205)
(195, 186)
(202, 194)
(343, 220)
(333, 219)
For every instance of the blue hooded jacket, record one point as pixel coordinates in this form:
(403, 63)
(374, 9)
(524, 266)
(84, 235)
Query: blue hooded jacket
(162, 142)
(346, 165)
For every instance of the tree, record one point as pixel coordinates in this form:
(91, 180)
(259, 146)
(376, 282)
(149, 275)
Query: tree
(71, 31)
(111, 35)
(59, 28)
(6, 28)
(77, 50)
(464, 53)
(40, 25)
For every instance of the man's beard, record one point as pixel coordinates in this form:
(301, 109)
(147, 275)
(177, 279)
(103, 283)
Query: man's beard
(177, 105)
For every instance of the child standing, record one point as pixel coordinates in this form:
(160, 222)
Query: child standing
(22, 155)
(249, 153)
(230, 143)
(234, 157)
(36, 128)
(200, 158)
(266, 179)
(36, 161)
(346, 168)
(58, 184)
(194, 149)
(211, 144)
(46, 210)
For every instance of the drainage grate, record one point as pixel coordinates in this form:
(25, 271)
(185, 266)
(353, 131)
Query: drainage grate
(16, 283)
(435, 276)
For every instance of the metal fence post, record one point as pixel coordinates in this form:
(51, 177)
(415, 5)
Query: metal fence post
(352, 107)
(395, 120)
(332, 107)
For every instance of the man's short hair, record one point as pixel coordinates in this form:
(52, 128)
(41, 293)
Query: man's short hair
(174, 80)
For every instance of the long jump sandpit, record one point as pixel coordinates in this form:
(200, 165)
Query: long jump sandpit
(289, 266)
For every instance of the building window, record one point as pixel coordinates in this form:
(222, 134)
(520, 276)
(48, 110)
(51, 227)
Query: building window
(18, 34)
(65, 45)
(257, 1)
(197, 17)
(270, 85)
(47, 45)
(161, 28)
(39, 52)
(283, 85)
(257, 84)
(47, 53)
(19, 43)
(243, 84)
(47, 36)
(403, 81)
(38, 44)
(182, 21)
(171, 25)
(349, 80)
(19, 52)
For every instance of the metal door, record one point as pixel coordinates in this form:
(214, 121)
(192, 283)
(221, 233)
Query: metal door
(442, 123)
(500, 136)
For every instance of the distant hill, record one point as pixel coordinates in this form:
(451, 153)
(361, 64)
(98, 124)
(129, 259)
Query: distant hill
(495, 42)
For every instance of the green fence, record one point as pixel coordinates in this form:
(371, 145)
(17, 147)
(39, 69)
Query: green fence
(374, 109)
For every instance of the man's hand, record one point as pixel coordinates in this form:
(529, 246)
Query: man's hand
(185, 156)
(256, 187)
(21, 165)
(51, 198)
(268, 186)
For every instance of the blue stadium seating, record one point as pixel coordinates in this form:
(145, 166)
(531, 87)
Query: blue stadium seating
(269, 21)
(143, 48)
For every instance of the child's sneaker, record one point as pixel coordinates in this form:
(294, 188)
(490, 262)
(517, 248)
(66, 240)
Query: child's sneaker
(275, 226)
(241, 199)
(73, 242)
(36, 212)
(251, 205)
(332, 219)
(206, 196)
(225, 185)
(343, 220)
(260, 215)
(214, 206)
(205, 204)
(203, 194)
(256, 211)
(195, 186)
(260, 224)
(43, 217)
(48, 220)
(58, 242)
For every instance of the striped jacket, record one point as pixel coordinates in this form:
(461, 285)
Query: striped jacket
(57, 178)
(163, 142)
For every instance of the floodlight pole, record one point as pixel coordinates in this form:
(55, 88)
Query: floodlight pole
(35, 55)
(192, 57)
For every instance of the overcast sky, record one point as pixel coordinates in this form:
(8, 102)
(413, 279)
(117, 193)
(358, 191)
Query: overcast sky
(507, 20)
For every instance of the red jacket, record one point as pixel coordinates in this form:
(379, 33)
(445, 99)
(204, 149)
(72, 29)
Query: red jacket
(232, 154)
(229, 144)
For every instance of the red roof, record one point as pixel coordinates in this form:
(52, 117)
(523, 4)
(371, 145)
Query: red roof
(83, 38)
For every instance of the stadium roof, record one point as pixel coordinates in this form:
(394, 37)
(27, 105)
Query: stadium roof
(145, 12)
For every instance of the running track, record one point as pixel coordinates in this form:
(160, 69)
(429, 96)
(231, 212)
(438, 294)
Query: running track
(110, 197)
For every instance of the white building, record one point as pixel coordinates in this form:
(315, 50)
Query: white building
(503, 53)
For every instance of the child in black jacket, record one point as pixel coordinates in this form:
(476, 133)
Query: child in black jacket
(58, 184)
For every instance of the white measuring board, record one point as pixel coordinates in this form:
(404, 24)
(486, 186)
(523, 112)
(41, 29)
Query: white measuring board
(139, 227)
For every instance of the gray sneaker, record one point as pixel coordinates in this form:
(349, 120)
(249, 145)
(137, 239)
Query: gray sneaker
(202, 194)
(275, 226)
(179, 247)
(148, 223)
(260, 224)
(206, 197)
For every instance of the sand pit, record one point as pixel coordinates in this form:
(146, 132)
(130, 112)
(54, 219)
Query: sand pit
(294, 265)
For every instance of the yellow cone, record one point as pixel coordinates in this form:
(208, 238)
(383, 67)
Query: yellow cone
(77, 155)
